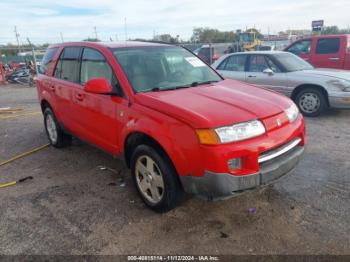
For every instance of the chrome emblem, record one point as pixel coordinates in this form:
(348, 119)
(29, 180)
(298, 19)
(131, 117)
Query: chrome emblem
(278, 121)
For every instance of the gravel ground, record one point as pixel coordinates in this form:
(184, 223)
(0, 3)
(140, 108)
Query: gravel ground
(71, 208)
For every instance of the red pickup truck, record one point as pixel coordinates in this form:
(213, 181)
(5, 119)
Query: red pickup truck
(324, 51)
(179, 125)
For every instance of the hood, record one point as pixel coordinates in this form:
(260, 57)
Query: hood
(219, 104)
(335, 73)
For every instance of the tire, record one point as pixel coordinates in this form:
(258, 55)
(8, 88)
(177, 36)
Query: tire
(160, 189)
(311, 102)
(54, 131)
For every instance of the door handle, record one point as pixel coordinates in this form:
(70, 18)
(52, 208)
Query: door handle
(251, 76)
(334, 58)
(79, 96)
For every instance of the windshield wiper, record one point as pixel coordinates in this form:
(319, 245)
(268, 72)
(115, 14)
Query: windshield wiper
(193, 84)
(204, 83)
(156, 89)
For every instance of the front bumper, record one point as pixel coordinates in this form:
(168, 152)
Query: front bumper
(341, 101)
(222, 185)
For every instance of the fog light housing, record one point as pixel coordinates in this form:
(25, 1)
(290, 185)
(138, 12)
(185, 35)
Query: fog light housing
(234, 163)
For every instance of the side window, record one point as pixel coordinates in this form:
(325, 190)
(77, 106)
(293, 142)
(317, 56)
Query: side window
(328, 46)
(257, 63)
(301, 47)
(94, 65)
(222, 65)
(68, 65)
(272, 65)
(234, 63)
(45, 62)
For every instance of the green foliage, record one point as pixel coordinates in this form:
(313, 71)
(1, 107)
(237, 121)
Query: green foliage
(91, 39)
(209, 35)
(166, 38)
(332, 30)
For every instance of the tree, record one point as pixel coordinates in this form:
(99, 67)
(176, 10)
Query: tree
(166, 38)
(91, 39)
(209, 35)
(332, 30)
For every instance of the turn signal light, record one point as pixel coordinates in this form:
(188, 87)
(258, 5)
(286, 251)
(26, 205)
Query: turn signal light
(207, 137)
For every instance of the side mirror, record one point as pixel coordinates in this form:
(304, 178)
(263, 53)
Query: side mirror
(268, 71)
(98, 86)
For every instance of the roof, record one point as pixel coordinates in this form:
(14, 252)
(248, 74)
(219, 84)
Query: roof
(120, 44)
(260, 52)
(324, 36)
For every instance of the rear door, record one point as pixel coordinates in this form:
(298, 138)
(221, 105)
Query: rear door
(233, 67)
(66, 78)
(98, 116)
(328, 53)
(45, 82)
(301, 48)
(277, 80)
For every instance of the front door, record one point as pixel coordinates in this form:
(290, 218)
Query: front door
(302, 48)
(98, 115)
(262, 71)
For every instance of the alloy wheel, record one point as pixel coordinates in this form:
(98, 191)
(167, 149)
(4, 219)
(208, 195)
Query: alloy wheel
(51, 128)
(149, 179)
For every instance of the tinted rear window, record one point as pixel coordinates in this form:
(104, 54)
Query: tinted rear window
(45, 62)
(68, 65)
(328, 46)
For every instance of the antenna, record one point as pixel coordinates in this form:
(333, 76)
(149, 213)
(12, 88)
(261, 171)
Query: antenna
(125, 29)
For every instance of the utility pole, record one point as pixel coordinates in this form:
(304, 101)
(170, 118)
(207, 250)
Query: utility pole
(95, 32)
(17, 37)
(33, 54)
(61, 37)
(125, 29)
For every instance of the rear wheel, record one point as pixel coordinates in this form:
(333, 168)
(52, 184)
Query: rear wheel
(155, 179)
(54, 131)
(311, 102)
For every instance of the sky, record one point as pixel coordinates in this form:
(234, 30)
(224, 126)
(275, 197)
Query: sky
(44, 21)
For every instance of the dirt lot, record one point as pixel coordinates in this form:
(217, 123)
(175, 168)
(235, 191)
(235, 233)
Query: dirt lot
(70, 208)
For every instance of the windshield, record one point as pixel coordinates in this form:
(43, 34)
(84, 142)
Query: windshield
(246, 37)
(160, 68)
(292, 62)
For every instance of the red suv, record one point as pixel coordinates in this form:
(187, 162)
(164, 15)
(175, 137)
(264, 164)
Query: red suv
(179, 125)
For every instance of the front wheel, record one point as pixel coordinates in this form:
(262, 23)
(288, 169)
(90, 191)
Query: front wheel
(311, 102)
(155, 179)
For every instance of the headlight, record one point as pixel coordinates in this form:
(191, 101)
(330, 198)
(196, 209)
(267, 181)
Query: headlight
(232, 133)
(344, 85)
(292, 112)
(240, 131)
